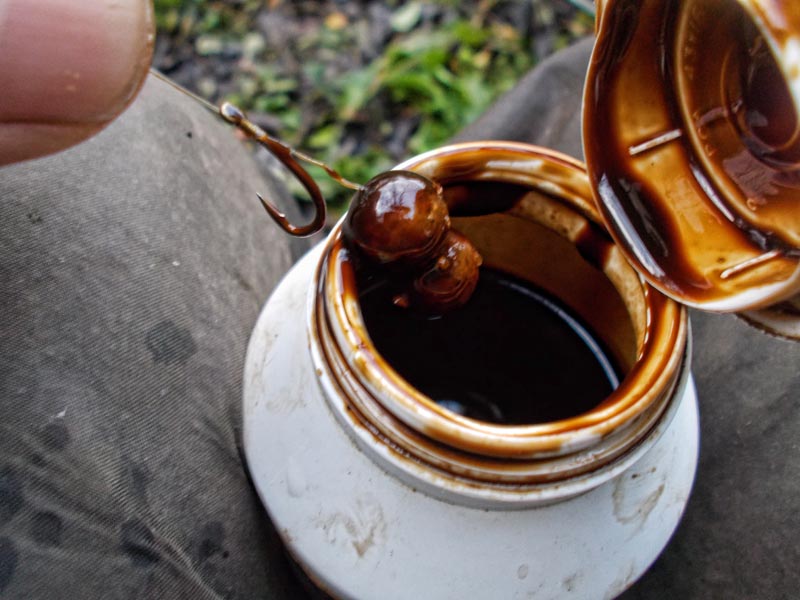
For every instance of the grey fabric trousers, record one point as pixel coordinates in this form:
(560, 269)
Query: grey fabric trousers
(132, 269)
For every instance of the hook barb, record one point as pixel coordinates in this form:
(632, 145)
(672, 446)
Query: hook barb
(277, 216)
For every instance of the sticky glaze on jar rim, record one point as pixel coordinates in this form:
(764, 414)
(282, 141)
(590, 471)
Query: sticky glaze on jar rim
(386, 402)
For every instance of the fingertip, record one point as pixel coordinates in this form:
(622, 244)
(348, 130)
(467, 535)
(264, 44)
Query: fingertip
(25, 141)
(67, 69)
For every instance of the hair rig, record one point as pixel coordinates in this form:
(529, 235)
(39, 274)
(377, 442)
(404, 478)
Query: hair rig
(398, 219)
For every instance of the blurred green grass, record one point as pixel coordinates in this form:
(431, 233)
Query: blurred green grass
(315, 72)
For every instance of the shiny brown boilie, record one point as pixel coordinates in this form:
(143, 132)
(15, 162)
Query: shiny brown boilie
(452, 278)
(400, 219)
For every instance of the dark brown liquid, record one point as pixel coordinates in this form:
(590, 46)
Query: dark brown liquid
(512, 355)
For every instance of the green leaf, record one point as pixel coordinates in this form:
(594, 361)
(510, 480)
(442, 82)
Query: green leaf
(272, 103)
(314, 72)
(291, 119)
(433, 57)
(468, 34)
(357, 88)
(429, 135)
(445, 77)
(404, 18)
(325, 137)
(405, 84)
(211, 20)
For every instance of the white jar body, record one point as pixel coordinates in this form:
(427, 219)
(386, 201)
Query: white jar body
(359, 531)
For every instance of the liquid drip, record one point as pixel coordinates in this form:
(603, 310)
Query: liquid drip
(513, 355)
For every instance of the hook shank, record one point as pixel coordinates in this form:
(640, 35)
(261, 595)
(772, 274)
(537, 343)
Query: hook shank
(284, 154)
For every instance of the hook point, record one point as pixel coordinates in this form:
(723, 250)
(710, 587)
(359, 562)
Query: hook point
(270, 208)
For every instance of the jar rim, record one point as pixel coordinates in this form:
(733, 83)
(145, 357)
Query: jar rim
(657, 362)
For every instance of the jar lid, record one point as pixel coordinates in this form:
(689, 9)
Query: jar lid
(692, 141)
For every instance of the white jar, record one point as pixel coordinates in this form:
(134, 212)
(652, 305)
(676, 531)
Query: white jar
(377, 492)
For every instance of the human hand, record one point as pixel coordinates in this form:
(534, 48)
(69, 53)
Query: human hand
(67, 69)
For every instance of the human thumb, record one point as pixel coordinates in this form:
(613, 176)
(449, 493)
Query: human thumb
(67, 69)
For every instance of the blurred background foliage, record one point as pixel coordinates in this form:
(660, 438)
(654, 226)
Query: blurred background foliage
(360, 84)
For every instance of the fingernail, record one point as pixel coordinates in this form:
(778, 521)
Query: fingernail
(66, 62)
